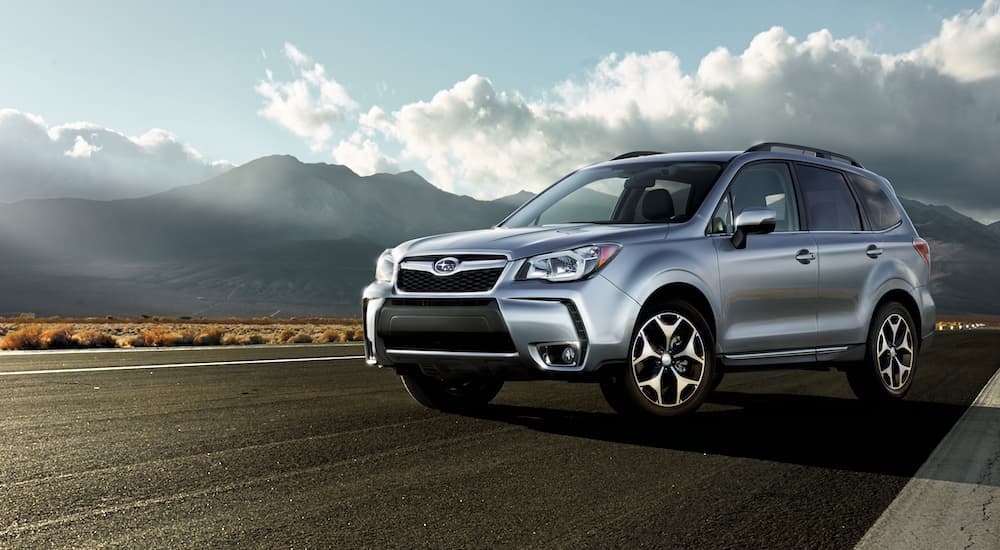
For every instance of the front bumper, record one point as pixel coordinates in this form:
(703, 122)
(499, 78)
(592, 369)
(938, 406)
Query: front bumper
(519, 325)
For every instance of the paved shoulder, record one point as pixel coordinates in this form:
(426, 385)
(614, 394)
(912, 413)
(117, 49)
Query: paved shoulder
(954, 499)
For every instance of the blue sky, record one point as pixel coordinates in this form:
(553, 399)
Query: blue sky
(190, 66)
(108, 99)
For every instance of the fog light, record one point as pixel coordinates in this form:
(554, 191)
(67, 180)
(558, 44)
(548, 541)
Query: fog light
(559, 354)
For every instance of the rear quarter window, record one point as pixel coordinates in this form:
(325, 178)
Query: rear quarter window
(881, 213)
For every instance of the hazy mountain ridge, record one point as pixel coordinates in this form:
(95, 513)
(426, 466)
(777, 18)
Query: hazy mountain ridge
(278, 235)
(965, 257)
(273, 234)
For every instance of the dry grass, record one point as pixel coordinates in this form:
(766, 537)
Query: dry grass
(29, 337)
(32, 334)
(331, 336)
(211, 336)
(300, 338)
(161, 337)
(56, 338)
(242, 339)
(89, 338)
(340, 335)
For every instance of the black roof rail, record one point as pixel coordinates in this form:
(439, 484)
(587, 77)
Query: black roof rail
(633, 154)
(821, 153)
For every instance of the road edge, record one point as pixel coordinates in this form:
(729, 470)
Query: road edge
(21, 352)
(954, 498)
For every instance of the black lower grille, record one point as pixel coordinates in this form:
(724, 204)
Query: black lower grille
(479, 280)
(443, 324)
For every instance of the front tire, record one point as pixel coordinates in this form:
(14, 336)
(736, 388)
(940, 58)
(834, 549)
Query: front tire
(451, 395)
(671, 364)
(886, 374)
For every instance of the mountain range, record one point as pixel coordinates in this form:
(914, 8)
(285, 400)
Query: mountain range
(280, 237)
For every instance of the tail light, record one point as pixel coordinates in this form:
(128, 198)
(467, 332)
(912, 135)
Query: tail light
(925, 251)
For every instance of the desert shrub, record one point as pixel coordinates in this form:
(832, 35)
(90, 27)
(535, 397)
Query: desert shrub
(24, 338)
(330, 335)
(161, 337)
(242, 339)
(93, 339)
(211, 336)
(355, 334)
(300, 338)
(285, 335)
(56, 338)
(132, 341)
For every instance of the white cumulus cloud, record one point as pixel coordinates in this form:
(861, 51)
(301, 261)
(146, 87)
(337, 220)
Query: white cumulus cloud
(85, 160)
(363, 156)
(929, 119)
(307, 105)
(968, 46)
(81, 149)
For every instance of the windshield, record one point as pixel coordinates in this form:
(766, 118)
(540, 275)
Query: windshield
(665, 192)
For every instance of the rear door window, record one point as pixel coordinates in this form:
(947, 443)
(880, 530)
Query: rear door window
(830, 206)
(881, 213)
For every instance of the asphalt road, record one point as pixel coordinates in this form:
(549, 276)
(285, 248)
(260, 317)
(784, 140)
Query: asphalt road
(333, 453)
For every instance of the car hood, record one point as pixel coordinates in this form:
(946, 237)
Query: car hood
(522, 242)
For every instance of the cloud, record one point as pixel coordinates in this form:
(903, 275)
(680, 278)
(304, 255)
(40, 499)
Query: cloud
(968, 46)
(81, 149)
(307, 105)
(362, 155)
(85, 160)
(929, 119)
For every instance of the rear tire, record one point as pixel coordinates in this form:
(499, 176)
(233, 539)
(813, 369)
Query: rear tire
(670, 368)
(886, 374)
(451, 395)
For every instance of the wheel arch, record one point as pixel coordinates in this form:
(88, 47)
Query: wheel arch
(903, 298)
(682, 291)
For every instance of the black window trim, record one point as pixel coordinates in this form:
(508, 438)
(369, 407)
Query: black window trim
(798, 198)
(847, 181)
(870, 227)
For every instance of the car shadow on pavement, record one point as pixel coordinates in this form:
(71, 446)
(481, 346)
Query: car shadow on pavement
(829, 432)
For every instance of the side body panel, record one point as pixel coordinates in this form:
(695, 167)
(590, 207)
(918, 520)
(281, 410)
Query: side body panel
(768, 297)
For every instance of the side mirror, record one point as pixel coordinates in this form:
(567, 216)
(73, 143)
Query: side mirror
(757, 221)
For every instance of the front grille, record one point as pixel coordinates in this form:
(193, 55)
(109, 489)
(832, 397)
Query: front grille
(479, 280)
(441, 302)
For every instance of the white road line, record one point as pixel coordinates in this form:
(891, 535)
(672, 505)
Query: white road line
(183, 365)
(953, 501)
(168, 349)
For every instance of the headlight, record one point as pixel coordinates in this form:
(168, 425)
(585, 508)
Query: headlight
(385, 267)
(568, 265)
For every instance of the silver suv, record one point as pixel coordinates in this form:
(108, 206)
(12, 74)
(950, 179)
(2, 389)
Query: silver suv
(653, 274)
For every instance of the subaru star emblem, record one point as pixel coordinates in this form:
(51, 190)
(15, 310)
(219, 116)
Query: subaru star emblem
(446, 266)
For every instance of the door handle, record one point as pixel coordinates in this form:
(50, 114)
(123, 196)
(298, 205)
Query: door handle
(804, 256)
(873, 251)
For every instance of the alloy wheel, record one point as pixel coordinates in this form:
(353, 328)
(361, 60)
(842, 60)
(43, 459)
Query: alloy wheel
(668, 359)
(894, 352)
